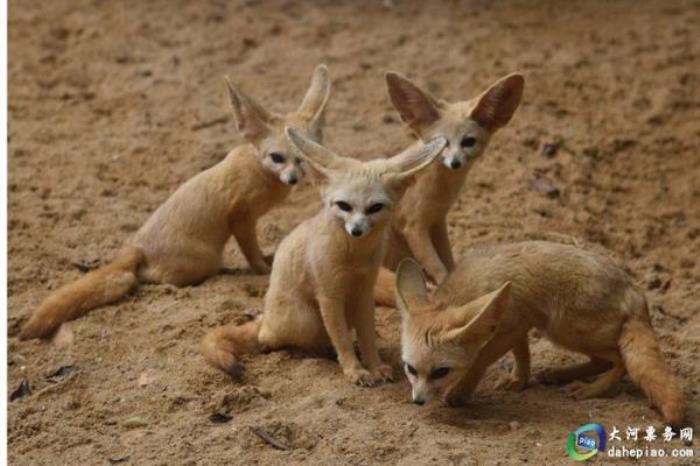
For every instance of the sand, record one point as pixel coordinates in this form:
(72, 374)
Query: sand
(113, 104)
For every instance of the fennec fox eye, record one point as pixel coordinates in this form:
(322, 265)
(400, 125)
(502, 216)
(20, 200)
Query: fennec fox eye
(278, 158)
(439, 373)
(344, 206)
(468, 141)
(412, 370)
(374, 208)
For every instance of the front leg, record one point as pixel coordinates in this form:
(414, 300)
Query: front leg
(363, 320)
(243, 229)
(421, 244)
(494, 349)
(333, 315)
(441, 240)
(520, 375)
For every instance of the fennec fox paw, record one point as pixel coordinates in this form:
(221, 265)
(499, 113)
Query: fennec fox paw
(456, 400)
(362, 377)
(582, 391)
(512, 382)
(384, 373)
(458, 395)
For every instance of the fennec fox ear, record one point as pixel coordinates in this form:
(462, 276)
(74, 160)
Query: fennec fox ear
(411, 291)
(251, 118)
(416, 107)
(314, 104)
(489, 310)
(321, 159)
(412, 160)
(496, 106)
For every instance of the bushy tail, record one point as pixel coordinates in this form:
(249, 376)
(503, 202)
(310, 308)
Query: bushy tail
(99, 287)
(224, 345)
(645, 365)
(385, 288)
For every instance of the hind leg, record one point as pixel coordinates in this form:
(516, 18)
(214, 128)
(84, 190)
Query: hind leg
(292, 323)
(520, 375)
(600, 386)
(181, 269)
(568, 374)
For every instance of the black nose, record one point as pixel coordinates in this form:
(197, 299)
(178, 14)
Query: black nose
(455, 164)
(355, 232)
(419, 402)
(293, 180)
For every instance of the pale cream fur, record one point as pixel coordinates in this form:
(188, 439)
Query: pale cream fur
(579, 300)
(324, 270)
(420, 224)
(182, 242)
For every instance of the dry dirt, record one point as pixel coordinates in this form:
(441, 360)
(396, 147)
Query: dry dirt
(113, 104)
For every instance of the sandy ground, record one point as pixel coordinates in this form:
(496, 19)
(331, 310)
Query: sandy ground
(113, 104)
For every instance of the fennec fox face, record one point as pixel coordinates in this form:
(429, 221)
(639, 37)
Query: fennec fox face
(362, 195)
(359, 206)
(265, 130)
(467, 126)
(439, 346)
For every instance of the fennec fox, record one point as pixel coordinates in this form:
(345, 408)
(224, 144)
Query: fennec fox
(324, 270)
(182, 242)
(577, 299)
(420, 224)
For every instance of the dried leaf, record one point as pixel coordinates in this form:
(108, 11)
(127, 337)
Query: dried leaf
(21, 391)
(219, 418)
(61, 372)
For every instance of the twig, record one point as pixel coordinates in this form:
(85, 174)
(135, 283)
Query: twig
(267, 438)
(210, 123)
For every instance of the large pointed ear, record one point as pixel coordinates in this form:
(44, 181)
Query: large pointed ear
(414, 159)
(416, 107)
(411, 291)
(313, 106)
(482, 326)
(321, 159)
(496, 106)
(251, 118)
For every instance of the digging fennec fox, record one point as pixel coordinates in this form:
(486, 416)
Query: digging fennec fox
(419, 228)
(495, 295)
(324, 271)
(182, 242)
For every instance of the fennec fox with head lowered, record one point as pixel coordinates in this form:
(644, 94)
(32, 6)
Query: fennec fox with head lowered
(495, 295)
(420, 224)
(182, 242)
(324, 271)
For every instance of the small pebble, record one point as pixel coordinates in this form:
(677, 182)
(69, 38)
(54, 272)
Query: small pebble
(551, 149)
